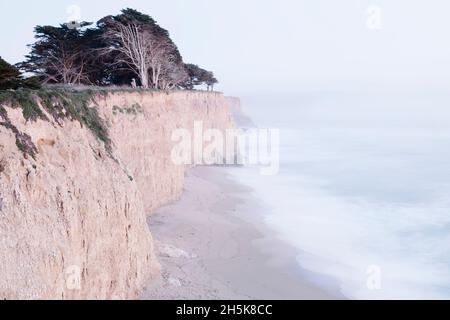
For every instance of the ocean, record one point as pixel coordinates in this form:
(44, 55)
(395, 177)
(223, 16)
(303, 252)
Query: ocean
(363, 190)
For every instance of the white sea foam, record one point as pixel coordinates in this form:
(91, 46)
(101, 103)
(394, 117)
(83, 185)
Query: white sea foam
(364, 183)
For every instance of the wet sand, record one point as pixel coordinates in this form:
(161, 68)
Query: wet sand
(212, 244)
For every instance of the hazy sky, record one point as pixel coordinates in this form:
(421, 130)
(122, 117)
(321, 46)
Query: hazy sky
(278, 45)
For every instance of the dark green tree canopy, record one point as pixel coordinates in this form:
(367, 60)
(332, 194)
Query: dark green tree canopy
(9, 75)
(96, 55)
(60, 54)
(198, 76)
(11, 78)
(110, 28)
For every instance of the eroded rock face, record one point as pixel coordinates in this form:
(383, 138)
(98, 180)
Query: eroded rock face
(141, 128)
(73, 220)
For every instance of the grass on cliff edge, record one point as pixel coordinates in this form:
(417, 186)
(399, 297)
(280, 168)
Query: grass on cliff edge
(60, 104)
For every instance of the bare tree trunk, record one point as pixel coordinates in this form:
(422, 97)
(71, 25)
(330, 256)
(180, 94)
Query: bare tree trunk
(143, 75)
(157, 75)
(140, 51)
(153, 77)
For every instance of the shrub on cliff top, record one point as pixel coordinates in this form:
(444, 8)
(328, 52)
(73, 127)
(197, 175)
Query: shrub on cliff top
(23, 98)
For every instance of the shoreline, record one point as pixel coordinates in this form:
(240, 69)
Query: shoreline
(213, 244)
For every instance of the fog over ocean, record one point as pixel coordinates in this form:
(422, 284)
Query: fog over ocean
(364, 186)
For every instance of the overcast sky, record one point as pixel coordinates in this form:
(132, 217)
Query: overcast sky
(278, 45)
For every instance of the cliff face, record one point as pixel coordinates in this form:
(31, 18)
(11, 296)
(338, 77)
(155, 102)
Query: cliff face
(73, 220)
(142, 139)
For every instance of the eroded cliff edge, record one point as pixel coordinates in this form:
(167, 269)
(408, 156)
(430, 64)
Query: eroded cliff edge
(73, 217)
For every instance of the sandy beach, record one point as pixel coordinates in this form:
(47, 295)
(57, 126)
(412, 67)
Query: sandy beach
(209, 249)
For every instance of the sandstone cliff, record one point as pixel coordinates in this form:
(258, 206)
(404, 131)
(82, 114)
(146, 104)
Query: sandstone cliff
(73, 217)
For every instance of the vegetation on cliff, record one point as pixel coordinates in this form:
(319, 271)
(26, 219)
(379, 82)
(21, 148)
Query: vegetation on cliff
(113, 52)
(60, 104)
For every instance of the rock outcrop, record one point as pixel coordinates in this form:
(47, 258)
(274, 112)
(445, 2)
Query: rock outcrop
(73, 218)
